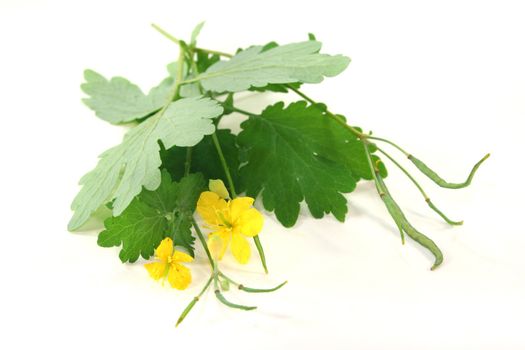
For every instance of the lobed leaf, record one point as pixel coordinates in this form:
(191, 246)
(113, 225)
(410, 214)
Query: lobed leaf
(120, 101)
(256, 67)
(154, 215)
(124, 170)
(290, 158)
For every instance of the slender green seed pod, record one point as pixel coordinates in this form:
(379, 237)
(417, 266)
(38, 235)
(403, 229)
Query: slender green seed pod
(387, 200)
(187, 310)
(431, 174)
(257, 290)
(193, 302)
(443, 216)
(249, 289)
(223, 300)
(260, 249)
(400, 218)
(421, 190)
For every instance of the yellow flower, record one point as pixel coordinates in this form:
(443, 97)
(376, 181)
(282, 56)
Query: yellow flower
(230, 220)
(169, 265)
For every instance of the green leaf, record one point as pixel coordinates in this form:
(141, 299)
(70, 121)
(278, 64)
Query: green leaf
(291, 158)
(154, 215)
(119, 101)
(205, 159)
(123, 170)
(205, 60)
(255, 67)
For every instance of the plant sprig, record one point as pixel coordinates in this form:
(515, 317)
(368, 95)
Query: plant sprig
(155, 179)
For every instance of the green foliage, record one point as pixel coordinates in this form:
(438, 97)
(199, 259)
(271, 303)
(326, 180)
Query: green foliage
(123, 170)
(297, 153)
(154, 215)
(253, 67)
(287, 155)
(204, 159)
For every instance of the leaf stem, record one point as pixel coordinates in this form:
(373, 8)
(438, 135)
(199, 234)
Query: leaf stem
(238, 110)
(353, 130)
(224, 164)
(177, 41)
(389, 142)
(421, 190)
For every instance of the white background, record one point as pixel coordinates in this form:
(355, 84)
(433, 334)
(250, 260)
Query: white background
(445, 79)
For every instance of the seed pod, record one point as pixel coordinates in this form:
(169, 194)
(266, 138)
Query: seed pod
(431, 174)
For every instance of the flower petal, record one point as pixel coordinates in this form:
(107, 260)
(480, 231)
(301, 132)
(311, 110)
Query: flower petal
(179, 276)
(179, 256)
(250, 222)
(164, 250)
(209, 206)
(216, 246)
(156, 270)
(218, 242)
(240, 249)
(238, 206)
(217, 186)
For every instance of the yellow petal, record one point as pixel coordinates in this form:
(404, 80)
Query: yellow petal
(224, 236)
(217, 186)
(238, 206)
(156, 269)
(179, 276)
(240, 249)
(164, 250)
(209, 206)
(181, 257)
(216, 246)
(250, 222)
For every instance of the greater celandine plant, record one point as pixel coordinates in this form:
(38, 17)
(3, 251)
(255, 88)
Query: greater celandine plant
(155, 180)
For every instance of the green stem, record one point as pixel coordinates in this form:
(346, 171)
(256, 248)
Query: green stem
(202, 240)
(221, 297)
(353, 130)
(389, 142)
(421, 190)
(193, 302)
(238, 110)
(177, 41)
(224, 164)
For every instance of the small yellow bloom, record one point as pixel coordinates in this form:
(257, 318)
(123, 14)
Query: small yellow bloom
(169, 265)
(230, 220)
